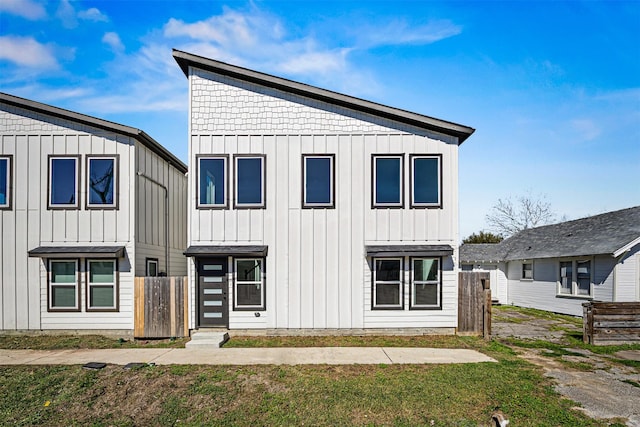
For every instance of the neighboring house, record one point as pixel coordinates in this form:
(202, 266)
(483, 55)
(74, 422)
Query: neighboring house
(85, 205)
(309, 209)
(558, 267)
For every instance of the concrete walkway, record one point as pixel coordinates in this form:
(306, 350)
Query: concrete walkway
(246, 356)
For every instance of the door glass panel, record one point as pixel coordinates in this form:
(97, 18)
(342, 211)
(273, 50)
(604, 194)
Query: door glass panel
(212, 279)
(212, 303)
(212, 315)
(212, 267)
(213, 291)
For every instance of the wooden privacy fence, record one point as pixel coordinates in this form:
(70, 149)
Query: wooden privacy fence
(611, 322)
(160, 307)
(474, 304)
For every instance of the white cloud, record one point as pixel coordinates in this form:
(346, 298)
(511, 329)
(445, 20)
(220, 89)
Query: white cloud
(586, 129)
(398, 32)
(24, 8)
(67, 14)
(93, 14)
(27, 52)
(113, 40)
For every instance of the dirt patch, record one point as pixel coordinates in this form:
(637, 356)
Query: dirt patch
(604, 389)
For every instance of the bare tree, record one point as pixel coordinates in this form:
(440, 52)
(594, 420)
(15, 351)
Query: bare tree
(508, 216)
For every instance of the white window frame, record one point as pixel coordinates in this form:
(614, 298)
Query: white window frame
(115, 182)
(332, 182)
(76, 204)
(522, 270)
(261, 283)
(225, 202)
(574, 278)
(412, 159)
(374, 181)
(114, 284)
(75, 285)
(399, 283)
(236, 159)
(437, 283)
(8, 190)
(150, 261)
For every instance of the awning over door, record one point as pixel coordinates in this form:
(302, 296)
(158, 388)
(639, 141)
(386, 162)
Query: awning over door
(77, 251)
(408, 250)
(235, 250)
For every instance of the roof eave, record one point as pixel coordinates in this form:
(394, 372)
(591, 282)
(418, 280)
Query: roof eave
(626, 247)
(95, 122)
(185, 60)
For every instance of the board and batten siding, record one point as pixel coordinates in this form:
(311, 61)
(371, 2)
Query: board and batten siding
(155, 178)
(317, 274)
(627, 276)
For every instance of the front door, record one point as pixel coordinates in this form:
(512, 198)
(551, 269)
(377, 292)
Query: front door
(212, 293)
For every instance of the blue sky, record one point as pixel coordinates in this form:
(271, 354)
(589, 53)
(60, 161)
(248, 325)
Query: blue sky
(553, 88)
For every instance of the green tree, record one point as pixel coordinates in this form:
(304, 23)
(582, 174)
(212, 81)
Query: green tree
(483, 237)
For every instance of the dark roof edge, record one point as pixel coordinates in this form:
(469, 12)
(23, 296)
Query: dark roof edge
(84, 119)
(185, 60)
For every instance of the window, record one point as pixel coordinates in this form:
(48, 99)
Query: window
(426, 181)
(249, 284)
(318, 181)
(249, 185)
(387, 181)
(101, 285)
(102, 178)
(425, 287)
(527, 271)
(5, 182)
(575, 278)
(387, 284)
(212, 182)
(152, 267)
(63, 285)
(63, 182)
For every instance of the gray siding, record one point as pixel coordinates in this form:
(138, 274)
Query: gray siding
(627, 276)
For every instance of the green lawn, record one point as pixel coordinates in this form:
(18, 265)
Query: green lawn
(62, 342)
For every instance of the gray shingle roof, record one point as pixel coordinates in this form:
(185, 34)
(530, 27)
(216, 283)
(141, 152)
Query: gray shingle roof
(606, 233)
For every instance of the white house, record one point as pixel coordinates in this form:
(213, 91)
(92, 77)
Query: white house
(310, 209)
(558, 267)
(85, 206)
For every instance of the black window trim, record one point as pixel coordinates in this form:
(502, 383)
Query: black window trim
(76, 205)
(374, 281)
(263, 190)
(116, 184)
(146, 266)
(9, 196)
(330, 205)
(50, 284)
(116, 286)
(375, 205)
(225, 157)
(412, 283)
(263, 306)
(412, 203)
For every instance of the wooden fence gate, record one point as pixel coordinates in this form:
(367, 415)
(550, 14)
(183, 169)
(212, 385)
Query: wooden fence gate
(611, 322)
(160, 307)
(474, 304)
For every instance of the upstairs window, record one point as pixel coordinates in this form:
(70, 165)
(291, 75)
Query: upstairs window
(387, 180)
(249, 185)
(318, 181)
(101, 182)
(5, 182)
(63, 182)
(426, 181)
(212, 182)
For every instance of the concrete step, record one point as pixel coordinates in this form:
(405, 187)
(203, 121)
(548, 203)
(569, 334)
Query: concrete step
(207, 340)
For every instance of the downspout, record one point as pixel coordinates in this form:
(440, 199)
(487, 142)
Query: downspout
(166, 218)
